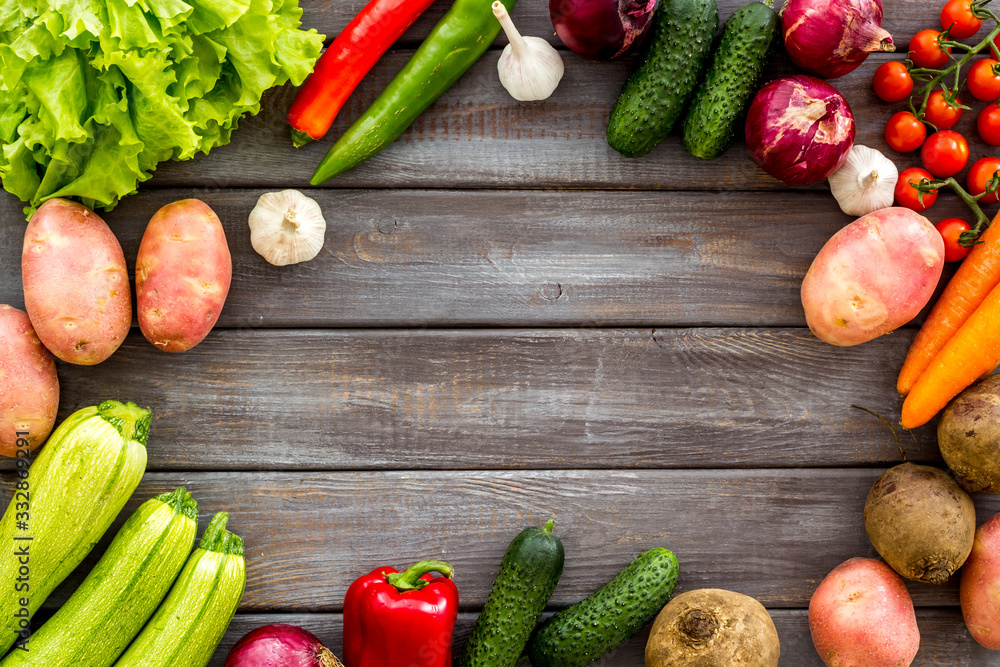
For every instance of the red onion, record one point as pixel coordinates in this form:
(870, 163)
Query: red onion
(280, 646)
(602, 29)
(830, 38)
(799, 129)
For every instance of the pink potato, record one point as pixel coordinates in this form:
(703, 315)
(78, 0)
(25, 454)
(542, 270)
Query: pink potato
(76, 287)
(872, 276)
(980, 589)
(29, 387)
(862, 616)
(182, 275)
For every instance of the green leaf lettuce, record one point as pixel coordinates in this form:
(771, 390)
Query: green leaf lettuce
(94, 94)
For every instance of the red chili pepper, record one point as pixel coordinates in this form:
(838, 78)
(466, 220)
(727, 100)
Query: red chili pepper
(341, 68)
(401, 619)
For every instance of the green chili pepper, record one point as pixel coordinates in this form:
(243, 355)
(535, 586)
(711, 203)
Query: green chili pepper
(456, 42)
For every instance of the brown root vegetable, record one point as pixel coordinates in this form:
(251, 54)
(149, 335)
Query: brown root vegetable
(29, 387)
(861, 615)
(969, 436)
(713, 628)
(920, 521)
(980, 590)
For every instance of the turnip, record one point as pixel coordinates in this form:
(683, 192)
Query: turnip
(980, 590)
(862, 616)
(713, 628)
(872, 276)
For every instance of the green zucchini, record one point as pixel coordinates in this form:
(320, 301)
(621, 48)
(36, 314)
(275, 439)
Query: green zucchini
(122, 591)
(64, 503)
(655, 96)
(528, 574)
(734, 76)
(190, 623)
(597, 625)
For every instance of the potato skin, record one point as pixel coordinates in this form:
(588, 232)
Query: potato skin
(711, 627)
(29, 386)
(969, 436)
(980, 589)
(861, 615)
(872, 276)
(920, 521)
(76, 288)
(182, 275)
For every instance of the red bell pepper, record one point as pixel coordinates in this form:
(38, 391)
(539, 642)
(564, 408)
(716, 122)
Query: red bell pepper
(401, 619)
(341, 68)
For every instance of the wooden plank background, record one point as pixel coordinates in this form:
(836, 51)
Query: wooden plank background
(511, 322)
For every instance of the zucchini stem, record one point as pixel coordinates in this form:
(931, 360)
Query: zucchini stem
(216, 538)
(131, 421)
(181, 502)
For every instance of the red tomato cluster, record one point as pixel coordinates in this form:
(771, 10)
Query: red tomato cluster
(944, 152)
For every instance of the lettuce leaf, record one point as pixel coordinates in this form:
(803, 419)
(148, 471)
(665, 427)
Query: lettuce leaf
(94, 94)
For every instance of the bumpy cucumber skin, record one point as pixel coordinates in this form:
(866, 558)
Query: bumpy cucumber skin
(655, 96)
(528, 574)
(597, 625)
(734, 76)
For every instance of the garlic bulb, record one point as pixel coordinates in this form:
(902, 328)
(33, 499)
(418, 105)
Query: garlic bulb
(865, 183)
(286, 227)
(530, 69)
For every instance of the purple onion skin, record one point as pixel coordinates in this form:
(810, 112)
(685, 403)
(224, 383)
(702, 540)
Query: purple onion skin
(602, 29)
(280, 646)
(830, 38)
(799, 129)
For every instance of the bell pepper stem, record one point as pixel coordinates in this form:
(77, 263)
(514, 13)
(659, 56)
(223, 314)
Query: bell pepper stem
(410, 580)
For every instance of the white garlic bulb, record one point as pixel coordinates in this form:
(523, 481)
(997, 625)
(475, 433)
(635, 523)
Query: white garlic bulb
(287, 227)
(530, 69)
(865, 183)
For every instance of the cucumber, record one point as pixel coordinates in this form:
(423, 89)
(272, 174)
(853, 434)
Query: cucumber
(122, 591)
(190, 623)
(734, 76)
(64, 503)
(597, 625)
(528, 574)
(655, 96)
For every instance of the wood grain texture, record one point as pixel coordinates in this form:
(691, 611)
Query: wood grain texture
(477, 136)
(944, 640)
(514, 258)
(902, 18)
(480, 399)
(771, 534)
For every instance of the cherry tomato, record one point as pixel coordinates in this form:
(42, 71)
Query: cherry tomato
(980, 172)
(950, 229)
(939, 113)
(945, 153)
(904, 133)
(988, 124)
(907, 195)
(983, 83)
(925, 51)
(958, 14)
(892, 82)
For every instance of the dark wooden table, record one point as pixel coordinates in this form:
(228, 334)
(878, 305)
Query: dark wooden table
(510, 322)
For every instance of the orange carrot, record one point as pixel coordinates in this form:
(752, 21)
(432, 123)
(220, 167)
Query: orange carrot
(973, 351)
(975, 278)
